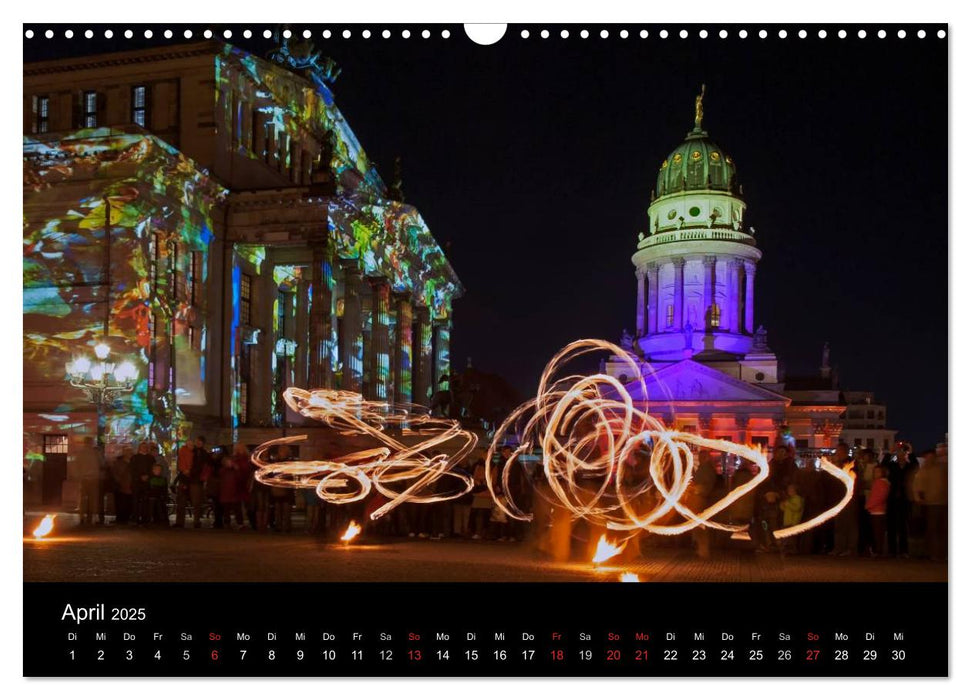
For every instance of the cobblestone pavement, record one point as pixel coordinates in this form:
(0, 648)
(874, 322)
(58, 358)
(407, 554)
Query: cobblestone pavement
(144, 554)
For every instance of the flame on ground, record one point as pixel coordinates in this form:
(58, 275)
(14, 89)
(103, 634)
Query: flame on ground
(629, 577)
(45, 527)
(353, 530)
(606, 550)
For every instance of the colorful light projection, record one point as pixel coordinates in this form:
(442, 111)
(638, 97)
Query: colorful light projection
(275, 116)
(392, 241)
(102, 205)
(609, 462)
(420, 472)
(285, 107)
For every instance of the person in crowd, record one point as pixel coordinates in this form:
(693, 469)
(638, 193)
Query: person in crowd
(792, 507)
(106, 488)
(193, 472)
(281, 496)
(121, 482)
(245, 483)
(88, 461)
(930, 491)
(847, 526)
(462, 506)
(697, 499)
(158, 493)
(742, 511)
(520, 493)
(213, 490)
(768, 496)
(866, 463)
(481, 501)
(782, 466)
(877, 504)
(141, 470)
(899, 469)
(230, 502)
(808, 480)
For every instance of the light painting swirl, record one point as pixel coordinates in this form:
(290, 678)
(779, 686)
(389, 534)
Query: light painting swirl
(412, 464)
(609, 462)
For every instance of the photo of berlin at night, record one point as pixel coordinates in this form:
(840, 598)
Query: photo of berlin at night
(305, 305)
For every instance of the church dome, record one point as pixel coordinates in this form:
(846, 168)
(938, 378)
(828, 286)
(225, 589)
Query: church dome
(698, 163)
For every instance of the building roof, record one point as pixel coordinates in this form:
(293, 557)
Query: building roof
(697, 163)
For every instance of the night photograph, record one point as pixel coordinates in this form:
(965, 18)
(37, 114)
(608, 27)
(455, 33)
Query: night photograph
(593, 304)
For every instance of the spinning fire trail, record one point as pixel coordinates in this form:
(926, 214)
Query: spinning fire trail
(609, 462)
(605, 460)
(399, 472)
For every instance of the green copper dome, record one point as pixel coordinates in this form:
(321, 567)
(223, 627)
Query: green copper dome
(698, 163)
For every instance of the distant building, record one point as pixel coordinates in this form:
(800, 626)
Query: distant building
(213, 217)
(713, 370)
(865, 422)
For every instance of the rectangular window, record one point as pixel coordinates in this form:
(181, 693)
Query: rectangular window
(869, 443)
(191, 331)
(802, 444)
(139, 105)
(55, 444)
(670, 316)
(42, 108)
(195, 278)
(245, 299)
(90, 109)
(760, 440)
(716, 316)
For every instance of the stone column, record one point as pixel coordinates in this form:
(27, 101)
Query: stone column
(301, 334)
(442, 364)
(352, 365)
(422, 353)
(749, 297)
(403, 349)
(641, 303)
(380, 359)
(653, 308)
(678, 293)
(321, 323)
(732, 296)
(709, 273)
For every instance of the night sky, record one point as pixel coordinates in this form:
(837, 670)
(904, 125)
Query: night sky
(533, 161)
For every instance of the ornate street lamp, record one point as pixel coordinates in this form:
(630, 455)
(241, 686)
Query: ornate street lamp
(102, 381)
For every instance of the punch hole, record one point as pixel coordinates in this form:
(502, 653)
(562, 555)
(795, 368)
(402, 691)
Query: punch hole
(485, 34)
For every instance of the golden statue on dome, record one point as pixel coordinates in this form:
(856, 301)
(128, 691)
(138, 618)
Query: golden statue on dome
(699, 110)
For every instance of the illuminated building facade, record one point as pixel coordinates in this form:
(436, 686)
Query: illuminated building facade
(712, 369)
(216, 215)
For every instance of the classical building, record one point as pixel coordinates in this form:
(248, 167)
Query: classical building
(211, 216)
(708, 364)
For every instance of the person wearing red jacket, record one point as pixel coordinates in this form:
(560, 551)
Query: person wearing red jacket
(876, 505)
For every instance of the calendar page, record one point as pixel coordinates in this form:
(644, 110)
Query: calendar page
(408, 350)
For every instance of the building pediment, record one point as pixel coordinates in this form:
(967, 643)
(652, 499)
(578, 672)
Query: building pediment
(688, 381)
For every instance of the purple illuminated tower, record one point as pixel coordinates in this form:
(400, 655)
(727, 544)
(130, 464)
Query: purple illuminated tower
(696, 266)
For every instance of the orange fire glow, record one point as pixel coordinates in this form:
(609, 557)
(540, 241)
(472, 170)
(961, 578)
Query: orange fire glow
(628, 577)
(353, 530)
(45, 527)
(606, 550)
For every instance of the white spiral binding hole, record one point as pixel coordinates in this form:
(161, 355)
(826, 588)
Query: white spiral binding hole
(563, 34)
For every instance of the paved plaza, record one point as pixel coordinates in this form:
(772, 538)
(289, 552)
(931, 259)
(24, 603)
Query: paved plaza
(146, 554)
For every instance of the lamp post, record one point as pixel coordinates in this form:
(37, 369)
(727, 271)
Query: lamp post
(102, 381)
